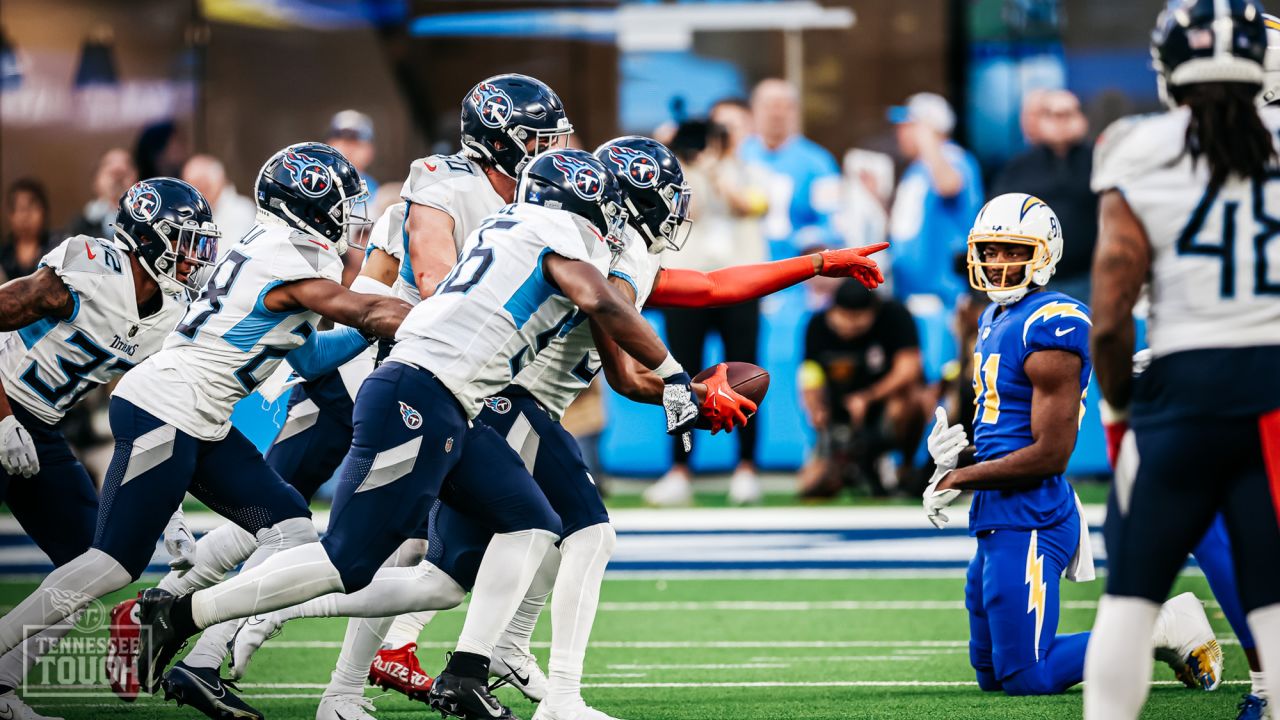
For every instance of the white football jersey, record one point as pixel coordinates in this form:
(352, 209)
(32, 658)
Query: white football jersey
(454, 184)
(1215, 257)
(50, 364)
(557, 374)
(495, 310)
(229, 342)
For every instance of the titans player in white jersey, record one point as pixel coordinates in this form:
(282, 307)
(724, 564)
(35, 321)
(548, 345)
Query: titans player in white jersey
(172, 421)
(93, 309)
(1190, 205)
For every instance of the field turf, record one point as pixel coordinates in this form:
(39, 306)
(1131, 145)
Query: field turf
(862, 646)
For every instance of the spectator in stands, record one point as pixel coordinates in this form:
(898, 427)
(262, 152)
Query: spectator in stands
(1029, 117)
(27, 216)
(1056, 169)
(861, 384)
(727, 196)
(113, 177)
(234, 213)
(351, 133)
(804, 188)
(937, 199)
(161, 150)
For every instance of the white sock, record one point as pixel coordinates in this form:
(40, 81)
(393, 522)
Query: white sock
(393, 591)
(520, 632)
(1118, 661)
(64, 591)
(1257, 683)
(583, 557)
(218, 552)
(16, 663)
(1264, 623)
(284, 579)
(506, 571)
(407, 628)
(359, 647)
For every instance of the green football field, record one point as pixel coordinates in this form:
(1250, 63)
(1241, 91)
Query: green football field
(863, 646)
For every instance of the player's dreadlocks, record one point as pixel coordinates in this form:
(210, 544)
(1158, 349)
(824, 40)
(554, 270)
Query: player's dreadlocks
(1225, 129)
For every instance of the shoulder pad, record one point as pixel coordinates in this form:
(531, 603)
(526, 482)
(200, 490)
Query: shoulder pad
(294, 255)
(428, 171)
(85, 262)
(1058, 311)
(1132, 146)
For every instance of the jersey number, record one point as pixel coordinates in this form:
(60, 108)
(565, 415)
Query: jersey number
(471, 269)
(218, 288)
(76, 372)
(986, 398)
(1189, 242)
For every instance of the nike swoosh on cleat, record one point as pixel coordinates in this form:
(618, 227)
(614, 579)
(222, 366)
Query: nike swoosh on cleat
(522, 680)
(6, 714)
(493, 712)
(220, 691)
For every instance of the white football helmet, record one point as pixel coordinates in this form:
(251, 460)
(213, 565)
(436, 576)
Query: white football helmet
(1271, 63)
(1017, 219)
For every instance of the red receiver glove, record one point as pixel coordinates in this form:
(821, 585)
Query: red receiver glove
(1115, 423)
(853, 262)
(723, 405)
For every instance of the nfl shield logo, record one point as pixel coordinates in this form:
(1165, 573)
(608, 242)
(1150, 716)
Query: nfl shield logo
(448, 445)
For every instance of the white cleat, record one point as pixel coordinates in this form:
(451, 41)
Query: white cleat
(250, 636)
(578, 711)
(672, 490)
(345, 707)
(1185, 641)
(12, 708)
(744, 488)
(519, 669)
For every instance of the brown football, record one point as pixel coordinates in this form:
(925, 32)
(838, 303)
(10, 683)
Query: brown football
(745, 378)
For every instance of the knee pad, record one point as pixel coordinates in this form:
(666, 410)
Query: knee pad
(443, 591)
(1031, 680)
(288, 533)
(600, 538)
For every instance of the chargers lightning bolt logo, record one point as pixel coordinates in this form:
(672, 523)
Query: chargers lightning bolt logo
(584, 179)
(308, 174)
(493, 104)
(143, 201)
(412, 418)
(1055, 309)
(640, 167)
(1036, 589)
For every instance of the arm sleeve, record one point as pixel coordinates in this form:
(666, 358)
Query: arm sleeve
(694, 289)
(326, 351)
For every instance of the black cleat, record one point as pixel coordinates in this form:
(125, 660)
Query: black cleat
(204, 690)
(158, 642)
(467, 698)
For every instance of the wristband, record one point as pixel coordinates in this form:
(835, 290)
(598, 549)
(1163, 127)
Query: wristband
(668, 367)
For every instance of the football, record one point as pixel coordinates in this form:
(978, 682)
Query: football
(745, 378)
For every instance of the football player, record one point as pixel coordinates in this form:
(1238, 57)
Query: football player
(1189, 205)
(1031, 370)
(171, 417)
(93, 309)
(527, 414)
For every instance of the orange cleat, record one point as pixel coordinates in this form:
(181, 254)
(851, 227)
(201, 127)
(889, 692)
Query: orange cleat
(122, 650)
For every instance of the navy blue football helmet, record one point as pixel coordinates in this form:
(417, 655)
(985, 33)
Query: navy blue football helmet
(503, 114)
(313, 188)
(574, 180)
(653, 189)
(165, 222)
(1208, 41)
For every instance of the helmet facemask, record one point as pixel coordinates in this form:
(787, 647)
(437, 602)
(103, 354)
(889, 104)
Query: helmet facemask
(673, 231)
(1036, 269)
(190, 242)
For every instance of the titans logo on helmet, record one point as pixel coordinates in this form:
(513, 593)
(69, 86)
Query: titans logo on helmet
(493, 104)
(584, 179)
(308, 174)
(640, 167)
(143, 202)
(412, 418)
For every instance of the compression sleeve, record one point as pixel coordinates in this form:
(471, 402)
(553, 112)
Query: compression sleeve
(694, 289)
(326, 351)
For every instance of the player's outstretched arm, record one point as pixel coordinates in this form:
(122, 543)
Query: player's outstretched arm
(1121, 263)
(1055, 416)
(371, 314)
(39, 295)
(431, 250)
(731, 285)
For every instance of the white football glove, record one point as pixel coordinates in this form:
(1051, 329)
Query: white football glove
(935, 502)
(681, 406)
(945, 443)
(17, 451)
(180, 544)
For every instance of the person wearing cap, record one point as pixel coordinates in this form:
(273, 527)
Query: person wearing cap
(860, 383)
(938, 196)
(351, 133)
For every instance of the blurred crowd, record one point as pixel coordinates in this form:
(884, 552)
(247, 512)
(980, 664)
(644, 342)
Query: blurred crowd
(763, 191)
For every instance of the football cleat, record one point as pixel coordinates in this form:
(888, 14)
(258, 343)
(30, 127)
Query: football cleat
(1185, 642)
(1252, 707)
(467, 698)
(397, 669)
(520, 670)
(203, 690)
(744, 488)
(122, 650)
(345, 707)
(250, 636)
(577, 711)
(672, 490)
(160, 642)
(13, 708)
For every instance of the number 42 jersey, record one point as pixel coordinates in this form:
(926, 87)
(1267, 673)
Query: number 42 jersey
(50, 364)
(229, 341)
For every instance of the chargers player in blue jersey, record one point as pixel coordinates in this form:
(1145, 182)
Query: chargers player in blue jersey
(1031, 369)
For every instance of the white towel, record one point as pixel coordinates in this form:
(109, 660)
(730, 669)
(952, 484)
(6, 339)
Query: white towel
(1081, 567)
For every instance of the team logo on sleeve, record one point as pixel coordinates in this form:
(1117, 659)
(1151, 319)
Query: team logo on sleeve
(308, 174)
(494, 104)
(640, 167)
(584, 179)
(1052, 310)
(500, 405)
(412, 418)
(143, 202)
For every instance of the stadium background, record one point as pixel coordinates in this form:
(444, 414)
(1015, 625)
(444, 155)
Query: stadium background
(238, 79)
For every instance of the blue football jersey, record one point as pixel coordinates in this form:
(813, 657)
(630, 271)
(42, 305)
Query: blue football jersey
(1002, 412)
